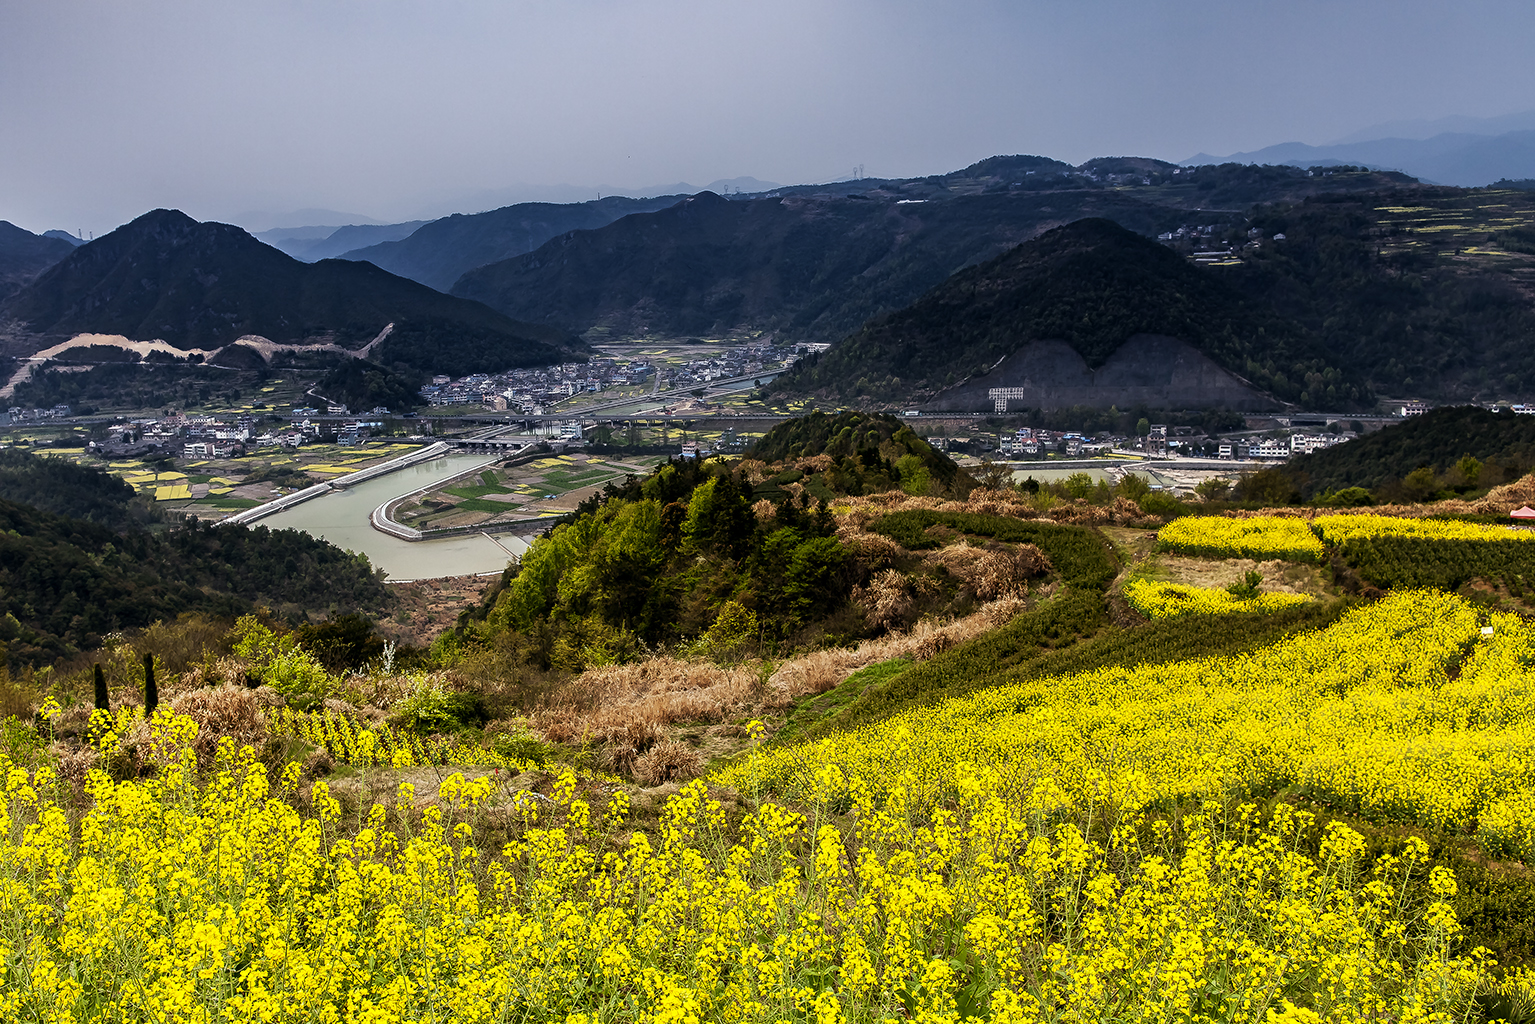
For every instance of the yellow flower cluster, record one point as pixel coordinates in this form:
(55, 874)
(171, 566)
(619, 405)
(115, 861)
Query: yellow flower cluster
(380, 745)
(1384, 713)
(1002, 857)
(1157, 600)
(174, 902)
(1339, 529)
(171, 902)
(1260, 538)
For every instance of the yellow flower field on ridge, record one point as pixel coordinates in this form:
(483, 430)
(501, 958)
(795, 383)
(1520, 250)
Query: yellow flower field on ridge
(1363, 714)
(1155, 600)
(223, 902)
(1000, 857)
(1261, 538)
(1340, 529)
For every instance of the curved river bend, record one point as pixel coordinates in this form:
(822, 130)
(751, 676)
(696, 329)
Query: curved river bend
(341, 517)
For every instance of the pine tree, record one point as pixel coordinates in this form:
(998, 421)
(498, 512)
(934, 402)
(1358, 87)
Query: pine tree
(151, 691)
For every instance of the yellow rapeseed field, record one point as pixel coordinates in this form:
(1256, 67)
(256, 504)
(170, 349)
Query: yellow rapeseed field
(1067, 850)
(1156, 600)
(1260, 538)
(1342, 528)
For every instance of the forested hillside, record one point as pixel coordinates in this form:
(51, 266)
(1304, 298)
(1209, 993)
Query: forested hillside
(65, 582)
(64, 489)
(1501, 443)
(720, 552)
(440, 252)
(205, 285)
(1092, 284)
(809, 268)
(1417, 291)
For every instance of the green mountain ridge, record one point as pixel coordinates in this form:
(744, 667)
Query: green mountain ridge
(205, 285)
(439, 252)
(807, 268)
(1091, 284)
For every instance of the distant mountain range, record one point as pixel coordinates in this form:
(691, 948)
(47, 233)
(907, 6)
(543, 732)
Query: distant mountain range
(438, 253)
(322, 242)
(1426, 129)
(807, 267)
(1322, 304)
(1276, 284)
(1465, 158)
(206, 286)
(813, 264)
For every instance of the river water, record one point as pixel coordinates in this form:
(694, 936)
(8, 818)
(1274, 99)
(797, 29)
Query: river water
(341, 517)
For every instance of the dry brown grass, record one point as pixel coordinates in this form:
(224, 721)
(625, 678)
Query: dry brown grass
(668, 761)
(222, 711)
(617, 702)
(859, 512)
(887, 600)
(993, 572)
(819, 671)
(626, 707)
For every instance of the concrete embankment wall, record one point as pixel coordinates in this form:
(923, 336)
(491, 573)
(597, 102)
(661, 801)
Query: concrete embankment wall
(287, 501)
(382, 518)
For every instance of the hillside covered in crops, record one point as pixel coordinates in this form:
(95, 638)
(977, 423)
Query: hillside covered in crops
(833, 731)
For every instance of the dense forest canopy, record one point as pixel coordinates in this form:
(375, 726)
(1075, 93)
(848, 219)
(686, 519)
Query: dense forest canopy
(751, 544)
(67, 581)
(1413, 302)
(1502, 444)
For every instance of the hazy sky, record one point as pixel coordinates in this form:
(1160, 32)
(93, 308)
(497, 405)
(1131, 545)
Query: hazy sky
(398, 109)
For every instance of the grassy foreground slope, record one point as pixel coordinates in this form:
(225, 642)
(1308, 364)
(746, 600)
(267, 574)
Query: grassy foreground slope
(1047, 809)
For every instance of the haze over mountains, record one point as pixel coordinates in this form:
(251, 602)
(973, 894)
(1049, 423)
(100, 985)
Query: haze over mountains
(1465, 151)
(1274, 284)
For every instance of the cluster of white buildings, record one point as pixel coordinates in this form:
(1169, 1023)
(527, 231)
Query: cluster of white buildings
(1030, 441)
(1279, 447)
(538, 390)
(212, 437)
(20, 415)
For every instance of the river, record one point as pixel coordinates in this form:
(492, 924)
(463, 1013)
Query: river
(341, 517)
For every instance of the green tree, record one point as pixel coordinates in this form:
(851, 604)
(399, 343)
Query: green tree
(1134, 486)
(1213, 489)
(1078, 485)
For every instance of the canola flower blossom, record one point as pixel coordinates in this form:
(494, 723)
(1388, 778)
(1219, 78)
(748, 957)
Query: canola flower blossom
(172, 901)
(1261, 538)
(1159, 600)
(349, 743)
(1000, 858)
(1340, 529)
(1365, 714)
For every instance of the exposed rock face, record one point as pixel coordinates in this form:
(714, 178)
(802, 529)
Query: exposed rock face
(1149, 370)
